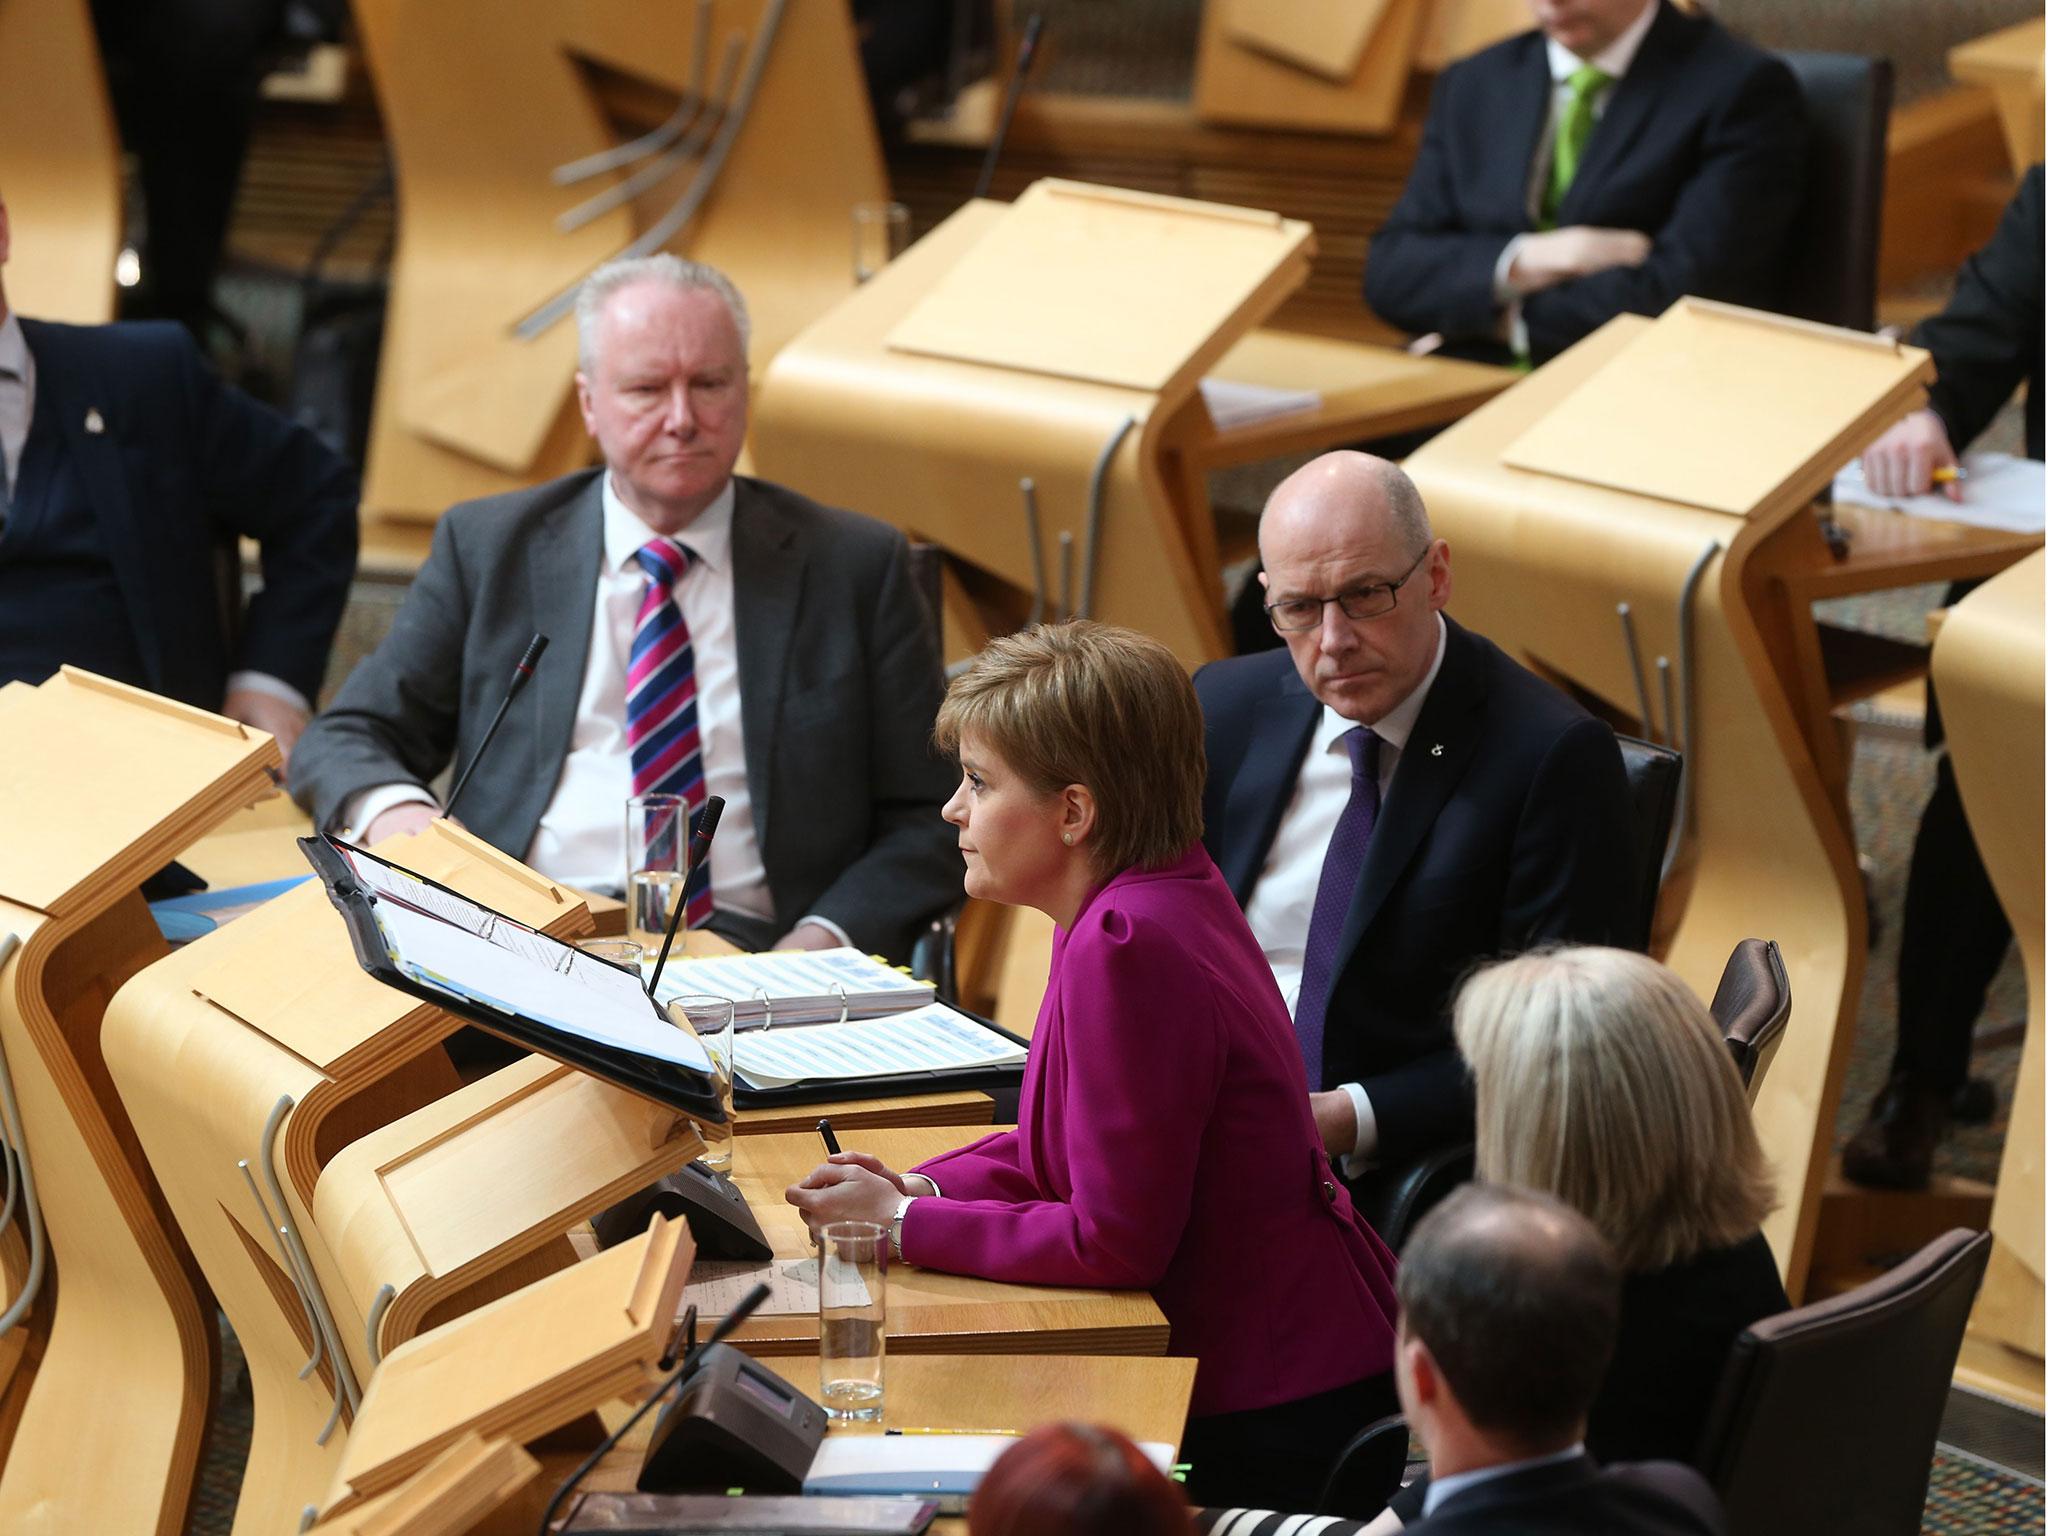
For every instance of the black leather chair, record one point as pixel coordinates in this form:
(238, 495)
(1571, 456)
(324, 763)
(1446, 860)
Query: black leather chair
(1830, 264)
(1652, 801)
(1826, 1416)
(1367, 1471)
(1752, 1005)
(931, 955)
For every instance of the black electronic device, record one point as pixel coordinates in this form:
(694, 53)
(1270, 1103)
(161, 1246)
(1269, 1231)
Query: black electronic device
(733, 1424)
(721, 1221)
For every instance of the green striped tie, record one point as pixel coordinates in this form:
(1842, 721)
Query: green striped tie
(1574, 128)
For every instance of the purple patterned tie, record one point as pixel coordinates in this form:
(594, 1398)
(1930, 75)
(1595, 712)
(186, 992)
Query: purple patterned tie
(1341, 865)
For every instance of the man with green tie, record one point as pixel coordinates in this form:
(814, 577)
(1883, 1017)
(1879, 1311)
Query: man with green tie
(1622, 154)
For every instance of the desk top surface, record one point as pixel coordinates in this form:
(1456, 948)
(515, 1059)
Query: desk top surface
(931, 1312)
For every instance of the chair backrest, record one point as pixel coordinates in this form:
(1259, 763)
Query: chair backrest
(1826, 1415)
(1393, 1200)
(1830, 263)
(1653, 799)
(1752, 1005)
(1367, 1472)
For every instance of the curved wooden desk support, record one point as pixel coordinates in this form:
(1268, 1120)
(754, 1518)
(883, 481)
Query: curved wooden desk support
(60, 163)
(1988, 670)
(106, 784)
(274, 1010)
(1540, 564)
(466, 408)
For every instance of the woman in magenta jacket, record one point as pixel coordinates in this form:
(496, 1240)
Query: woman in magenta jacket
(1164, 1139)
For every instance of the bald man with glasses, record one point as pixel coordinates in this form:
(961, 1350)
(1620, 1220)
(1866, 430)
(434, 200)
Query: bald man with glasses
(1392, 799)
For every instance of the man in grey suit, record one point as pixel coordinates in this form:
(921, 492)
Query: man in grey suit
(709, 633)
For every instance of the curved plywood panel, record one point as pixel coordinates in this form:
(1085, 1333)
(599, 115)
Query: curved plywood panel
(60, 163)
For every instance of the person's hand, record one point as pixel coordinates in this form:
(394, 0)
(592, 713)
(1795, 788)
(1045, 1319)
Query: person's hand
(906, 1183)
(809, 936)
(402, 821)
(1579, 250)
(267, 712)
(845, 1190)
(1336, 1121)
(1903, 461)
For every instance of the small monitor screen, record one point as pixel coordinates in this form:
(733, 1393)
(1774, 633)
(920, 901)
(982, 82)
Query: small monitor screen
(765, 1389)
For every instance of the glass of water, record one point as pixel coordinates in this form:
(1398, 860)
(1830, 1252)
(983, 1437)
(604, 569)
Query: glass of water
(853, 1277)
(881, 233)
(657, 865)
(709, 1018)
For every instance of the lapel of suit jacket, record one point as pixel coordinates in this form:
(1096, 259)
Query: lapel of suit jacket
(1629, 110)
(569, 541)
(71, 402)
(1282, 726)
(1522, 104)
(767, 582)
(1445, 736)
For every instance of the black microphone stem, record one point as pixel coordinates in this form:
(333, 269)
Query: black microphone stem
(1026, 52)
(700, 850)
(520, 674)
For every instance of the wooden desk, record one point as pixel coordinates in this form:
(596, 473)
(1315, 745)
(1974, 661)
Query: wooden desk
(931, 1313)
(2008, 64)
(1769, 844)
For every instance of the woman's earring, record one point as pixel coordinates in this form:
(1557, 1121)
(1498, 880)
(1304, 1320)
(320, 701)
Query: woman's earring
(1067, 838)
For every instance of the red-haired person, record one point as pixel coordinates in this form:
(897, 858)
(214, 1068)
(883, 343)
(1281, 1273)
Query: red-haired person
(1076, 1480)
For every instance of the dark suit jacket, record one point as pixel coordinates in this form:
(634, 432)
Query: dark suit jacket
(182, 466)
(839, 684)
(1701, 146)
(1506, 826)
(1580, 1498)
(1987, 341)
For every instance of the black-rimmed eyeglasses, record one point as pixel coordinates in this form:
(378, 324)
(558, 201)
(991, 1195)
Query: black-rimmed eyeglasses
(1362, 602)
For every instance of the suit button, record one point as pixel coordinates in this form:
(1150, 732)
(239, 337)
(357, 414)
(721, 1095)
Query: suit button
(1329, 1193)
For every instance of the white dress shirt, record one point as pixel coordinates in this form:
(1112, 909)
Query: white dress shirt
(17, 412)
(1441, 1488)
(581, 839)
(1283, 899)
(1614, 61)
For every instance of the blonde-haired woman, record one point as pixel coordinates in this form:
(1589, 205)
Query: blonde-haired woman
(1601, 1079)
(1164, 1139)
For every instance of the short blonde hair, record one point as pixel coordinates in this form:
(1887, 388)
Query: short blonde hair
(1602, 1080)
(1092, 704)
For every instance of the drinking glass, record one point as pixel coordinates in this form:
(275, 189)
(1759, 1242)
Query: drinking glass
(853, 1277)
(881, 233)
(657, 865)
(624, 952)
(710, 1020)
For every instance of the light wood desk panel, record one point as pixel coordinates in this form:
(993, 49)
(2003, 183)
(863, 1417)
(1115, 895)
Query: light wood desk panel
(929, 1312)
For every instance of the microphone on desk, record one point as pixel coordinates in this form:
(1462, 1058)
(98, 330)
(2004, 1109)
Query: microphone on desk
(718, 1335)
(520, 674)
(700, 850)
(1026, 52)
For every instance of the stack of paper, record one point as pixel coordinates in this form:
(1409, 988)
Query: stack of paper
(797, 986)
(1999, 491)
(944, 1467)
(933, 1038)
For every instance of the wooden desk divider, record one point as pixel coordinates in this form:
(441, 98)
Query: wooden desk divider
(2008, 64)
(451, 1495)
(1988, 671)
(1300, 67)
(937, 443)
(100, 786)
(487, 118)
(526, 1364)
(1610, 476)
(254, 1058)
(60, 163)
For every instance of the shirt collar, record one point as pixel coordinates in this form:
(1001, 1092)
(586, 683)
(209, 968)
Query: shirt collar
(14, 356)
(1394, 726)
(1442, 1488)
(709, 535)
(1613, 60)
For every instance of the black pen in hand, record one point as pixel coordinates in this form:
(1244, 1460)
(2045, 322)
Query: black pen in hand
(831, 1141)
